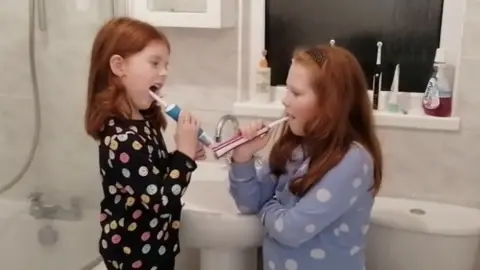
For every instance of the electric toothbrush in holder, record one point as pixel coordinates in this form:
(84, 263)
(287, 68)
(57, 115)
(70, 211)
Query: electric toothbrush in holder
(377, 76)
(173, 111)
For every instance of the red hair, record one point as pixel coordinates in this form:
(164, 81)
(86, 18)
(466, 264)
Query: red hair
(343, 116)
(106, 93)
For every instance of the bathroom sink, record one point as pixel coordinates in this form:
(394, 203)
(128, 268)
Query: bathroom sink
(212, 223)
(211, 219)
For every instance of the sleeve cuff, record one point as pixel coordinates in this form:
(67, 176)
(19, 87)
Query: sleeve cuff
(243, 172)
(179, 157)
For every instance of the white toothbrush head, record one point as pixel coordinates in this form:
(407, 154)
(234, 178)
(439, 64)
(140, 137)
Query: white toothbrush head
(159, 100)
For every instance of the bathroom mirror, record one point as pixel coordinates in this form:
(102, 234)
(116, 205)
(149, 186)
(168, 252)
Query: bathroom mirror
(409, 30)
(181, 6)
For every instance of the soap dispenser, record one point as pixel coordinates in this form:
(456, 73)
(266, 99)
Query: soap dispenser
(263, 88)
(437, 100)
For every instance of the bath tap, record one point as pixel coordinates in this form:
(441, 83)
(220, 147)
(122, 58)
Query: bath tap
(40, 210)
(236, 125)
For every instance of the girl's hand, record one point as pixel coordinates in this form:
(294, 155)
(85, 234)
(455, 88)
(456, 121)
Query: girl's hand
(245, 152)
(187, 134)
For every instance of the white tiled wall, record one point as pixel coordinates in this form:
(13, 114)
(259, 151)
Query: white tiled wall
(434, 165)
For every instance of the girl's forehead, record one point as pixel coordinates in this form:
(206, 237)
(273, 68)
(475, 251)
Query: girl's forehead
(298, 76)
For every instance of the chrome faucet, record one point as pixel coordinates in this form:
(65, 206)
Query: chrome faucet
(221, 124)
(236, 125)
(40, 210)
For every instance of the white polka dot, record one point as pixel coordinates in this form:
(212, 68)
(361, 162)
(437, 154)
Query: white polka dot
(365, 228)
(111, 154)
(154, 223)
(336, 231)
(353, 200)
(318, 254)
(271, 265)
(354, 250)
(162, 250)
(126, 173)
(344, 227)
(365, 168)
(159, 235)
(143, 171)
(323, 195)
(122, 137)
(310, 228)
(118, 197)
(291, 264)
(146, 248)
(279, 225)
(118, 129)
(107, 140)
(106, 229)
(357, 182)
(112, 189)
(164, 200)
(175, 247)
(129, 189)
(176, 189)
(152, 189)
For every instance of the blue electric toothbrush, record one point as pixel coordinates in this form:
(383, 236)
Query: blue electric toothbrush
(173, 110)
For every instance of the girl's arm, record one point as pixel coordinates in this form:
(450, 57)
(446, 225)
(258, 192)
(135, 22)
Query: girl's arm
(130, 163)
(250, 189)
(329, 199)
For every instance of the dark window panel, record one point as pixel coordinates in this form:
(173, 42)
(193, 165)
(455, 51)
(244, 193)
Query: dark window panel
(409, 30)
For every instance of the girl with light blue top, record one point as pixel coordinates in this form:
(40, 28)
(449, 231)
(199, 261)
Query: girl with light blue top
(315, 196)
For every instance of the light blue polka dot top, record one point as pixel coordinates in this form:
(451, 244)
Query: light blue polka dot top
(323, 230)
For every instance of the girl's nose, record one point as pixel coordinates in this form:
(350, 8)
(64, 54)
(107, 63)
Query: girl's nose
(285, 100)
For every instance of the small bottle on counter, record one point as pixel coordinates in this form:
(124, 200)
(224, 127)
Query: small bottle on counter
(263, 88)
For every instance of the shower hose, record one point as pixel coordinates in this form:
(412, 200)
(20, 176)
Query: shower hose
(36, 104)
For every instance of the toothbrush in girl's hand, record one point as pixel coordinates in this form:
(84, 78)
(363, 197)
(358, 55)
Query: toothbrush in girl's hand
(173, 111)
(222, 148)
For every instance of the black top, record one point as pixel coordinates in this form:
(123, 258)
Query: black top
(142, 186)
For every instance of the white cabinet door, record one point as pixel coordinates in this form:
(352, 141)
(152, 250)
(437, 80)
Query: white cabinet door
(184, 13)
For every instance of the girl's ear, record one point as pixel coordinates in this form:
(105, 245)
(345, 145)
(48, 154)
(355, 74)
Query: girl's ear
(117, 65)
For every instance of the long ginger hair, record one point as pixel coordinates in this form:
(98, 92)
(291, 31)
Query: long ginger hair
(106, 93)
(344, 116)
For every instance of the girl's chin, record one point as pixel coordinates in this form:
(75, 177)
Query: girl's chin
(295, 128)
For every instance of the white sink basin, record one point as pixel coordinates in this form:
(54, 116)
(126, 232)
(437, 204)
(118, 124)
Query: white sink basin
(210, 218)
(212, 223)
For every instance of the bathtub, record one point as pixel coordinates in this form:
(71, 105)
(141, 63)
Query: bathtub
(20, 248)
